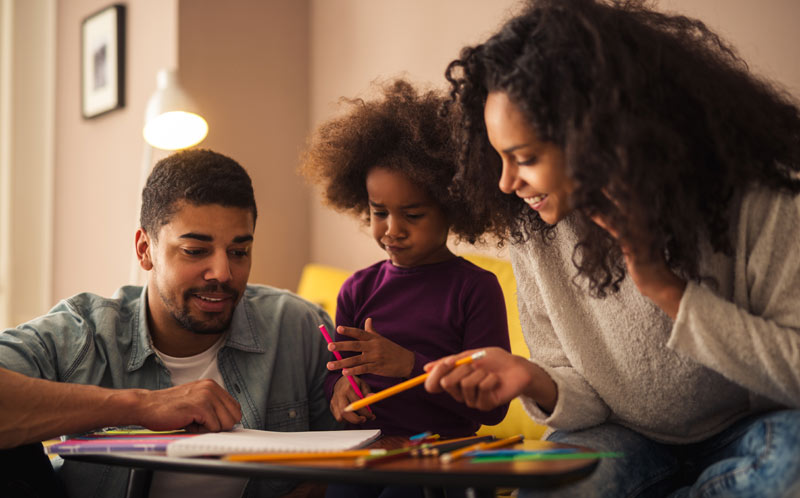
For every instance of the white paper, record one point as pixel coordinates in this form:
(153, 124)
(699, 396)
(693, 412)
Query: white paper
(255, 441)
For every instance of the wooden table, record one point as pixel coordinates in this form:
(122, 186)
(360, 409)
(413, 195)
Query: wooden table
(427, 472)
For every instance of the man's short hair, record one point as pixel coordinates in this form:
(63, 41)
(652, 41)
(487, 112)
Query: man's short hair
(196, 176)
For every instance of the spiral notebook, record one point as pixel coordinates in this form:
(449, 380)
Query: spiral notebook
(255, 441)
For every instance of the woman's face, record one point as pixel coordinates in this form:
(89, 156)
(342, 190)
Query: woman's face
(532, 169)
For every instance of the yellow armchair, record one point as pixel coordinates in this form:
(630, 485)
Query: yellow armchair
(320, 284)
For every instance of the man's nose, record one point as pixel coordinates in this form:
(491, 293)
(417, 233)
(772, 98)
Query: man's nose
(219, 268)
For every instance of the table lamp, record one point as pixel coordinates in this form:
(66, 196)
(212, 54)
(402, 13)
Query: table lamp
(171, 122)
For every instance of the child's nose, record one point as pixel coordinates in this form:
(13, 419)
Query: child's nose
(394, 228)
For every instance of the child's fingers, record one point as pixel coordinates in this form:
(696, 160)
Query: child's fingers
(347, 346)
(350, 362)
(369, 328)
(353, 332)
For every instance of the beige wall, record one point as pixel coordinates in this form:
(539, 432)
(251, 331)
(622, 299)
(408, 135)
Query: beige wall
(265, 72)
(98, 160)
(245, 62)
(27, 103)
(356, 41)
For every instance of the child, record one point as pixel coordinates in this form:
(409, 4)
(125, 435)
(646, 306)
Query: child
(656, 230)
(391, 161)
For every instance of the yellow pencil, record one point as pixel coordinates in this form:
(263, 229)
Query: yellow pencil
(403, 386)
(455, 455)
(269, 457)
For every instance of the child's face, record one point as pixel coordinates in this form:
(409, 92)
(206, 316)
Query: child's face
(532, 169)
(405, 222)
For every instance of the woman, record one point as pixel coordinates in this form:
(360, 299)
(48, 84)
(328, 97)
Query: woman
(648, 184)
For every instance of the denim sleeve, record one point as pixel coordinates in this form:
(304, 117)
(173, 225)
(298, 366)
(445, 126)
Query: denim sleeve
(321, 418)
(47, 347)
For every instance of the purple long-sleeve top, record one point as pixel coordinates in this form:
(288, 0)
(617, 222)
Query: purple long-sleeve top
(434, 311)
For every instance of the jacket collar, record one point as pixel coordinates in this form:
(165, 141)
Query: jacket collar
(242, 334)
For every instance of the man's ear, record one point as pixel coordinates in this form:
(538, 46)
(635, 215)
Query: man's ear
(143, 247)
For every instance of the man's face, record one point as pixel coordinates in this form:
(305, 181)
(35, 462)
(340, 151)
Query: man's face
(199, 266)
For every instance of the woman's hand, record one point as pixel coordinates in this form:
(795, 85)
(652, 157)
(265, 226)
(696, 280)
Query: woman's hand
(378, 355)
(491, 381)
(649, 272)
(343, 395)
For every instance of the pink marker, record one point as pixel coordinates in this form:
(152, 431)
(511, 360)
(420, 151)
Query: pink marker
(339, 357)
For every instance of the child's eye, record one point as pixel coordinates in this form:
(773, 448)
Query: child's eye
(528, 161)
(379, 214)
(415, 216)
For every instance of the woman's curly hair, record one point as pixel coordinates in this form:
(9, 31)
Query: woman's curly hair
(405, 131)
(652, 110)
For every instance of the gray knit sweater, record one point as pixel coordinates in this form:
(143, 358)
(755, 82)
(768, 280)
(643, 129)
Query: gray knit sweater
(733, 350)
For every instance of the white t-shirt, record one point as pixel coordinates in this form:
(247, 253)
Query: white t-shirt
(177, 484)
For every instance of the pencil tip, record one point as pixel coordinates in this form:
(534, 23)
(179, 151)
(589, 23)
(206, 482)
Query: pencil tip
(348, 408)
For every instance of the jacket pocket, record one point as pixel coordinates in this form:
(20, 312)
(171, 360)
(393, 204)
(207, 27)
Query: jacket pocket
(287, 417)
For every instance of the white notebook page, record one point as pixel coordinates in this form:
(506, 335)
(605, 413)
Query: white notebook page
(255, 441)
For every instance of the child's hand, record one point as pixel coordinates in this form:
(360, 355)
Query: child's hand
(491, 381)
(343, 395)
(378, 355)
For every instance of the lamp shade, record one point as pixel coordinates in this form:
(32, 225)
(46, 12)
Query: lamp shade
(170, 120)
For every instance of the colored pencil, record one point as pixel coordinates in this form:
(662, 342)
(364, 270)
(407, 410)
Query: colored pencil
(403, 386)
(452, 445)
(455, 455)
(546, 456)
(390, 455)
(338, 356)
(494, 453)
(269, 457)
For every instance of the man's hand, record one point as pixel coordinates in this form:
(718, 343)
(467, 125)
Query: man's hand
(378, 355)
(343, 395)
(491, 381)
(199, 406)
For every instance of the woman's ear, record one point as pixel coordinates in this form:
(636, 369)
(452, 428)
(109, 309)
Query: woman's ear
(143, 247)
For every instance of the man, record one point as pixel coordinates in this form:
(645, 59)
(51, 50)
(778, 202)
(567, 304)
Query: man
(139, 355)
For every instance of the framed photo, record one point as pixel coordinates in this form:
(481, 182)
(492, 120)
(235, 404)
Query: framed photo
(103, 61)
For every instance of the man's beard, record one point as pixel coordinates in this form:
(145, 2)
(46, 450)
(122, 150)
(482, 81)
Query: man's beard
(203, 327)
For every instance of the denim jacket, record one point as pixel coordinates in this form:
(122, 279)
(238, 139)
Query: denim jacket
(273, 363)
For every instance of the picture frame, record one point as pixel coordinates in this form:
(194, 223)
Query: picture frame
(103, 61)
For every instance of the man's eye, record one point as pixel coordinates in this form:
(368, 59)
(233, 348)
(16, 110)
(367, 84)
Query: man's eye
(194, 252)
(240, 253)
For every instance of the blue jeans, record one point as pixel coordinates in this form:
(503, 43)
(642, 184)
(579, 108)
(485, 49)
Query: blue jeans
(758, 456)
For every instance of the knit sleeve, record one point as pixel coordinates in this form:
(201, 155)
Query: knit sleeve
(754, 338)
(578, 405)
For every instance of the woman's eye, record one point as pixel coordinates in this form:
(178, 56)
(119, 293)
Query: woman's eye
(527, 161)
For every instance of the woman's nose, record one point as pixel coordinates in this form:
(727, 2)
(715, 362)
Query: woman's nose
(508, 178)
